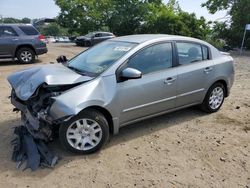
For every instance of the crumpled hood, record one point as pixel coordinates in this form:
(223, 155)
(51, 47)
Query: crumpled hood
(26, 82)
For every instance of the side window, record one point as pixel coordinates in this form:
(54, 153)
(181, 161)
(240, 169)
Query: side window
(29, 30)
(205, 53)
(188, 52)
(98, 35)
(153, 58)
(7, 32)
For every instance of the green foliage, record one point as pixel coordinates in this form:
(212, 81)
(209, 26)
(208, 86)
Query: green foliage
(14, 20)
(25, 20)
(218, 43)
(239, 10)
(124, 17)
(217, 34)
(53, 29)
(216, 5)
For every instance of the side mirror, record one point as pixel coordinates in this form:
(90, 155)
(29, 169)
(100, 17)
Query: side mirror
(130, 73)
(61, 59)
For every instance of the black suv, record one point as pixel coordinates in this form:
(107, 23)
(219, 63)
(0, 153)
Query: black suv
(21, 41)
(93, 38)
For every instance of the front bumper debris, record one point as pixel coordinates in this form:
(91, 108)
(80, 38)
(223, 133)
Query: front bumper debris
(33, 152)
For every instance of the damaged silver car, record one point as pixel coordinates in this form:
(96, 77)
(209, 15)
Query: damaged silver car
(119, 82)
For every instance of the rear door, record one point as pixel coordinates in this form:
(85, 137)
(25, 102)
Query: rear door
(155, 91)
(8, 41)
(194, 71)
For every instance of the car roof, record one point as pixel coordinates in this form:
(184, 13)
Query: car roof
(101, 32)
(148, 37)
(15, 24)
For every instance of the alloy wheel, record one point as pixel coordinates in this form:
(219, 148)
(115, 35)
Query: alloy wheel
(84, 134)
(216, 98)
(26, 56)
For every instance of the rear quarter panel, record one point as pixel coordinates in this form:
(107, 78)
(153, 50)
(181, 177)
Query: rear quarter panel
(31, 40)
(223, 70)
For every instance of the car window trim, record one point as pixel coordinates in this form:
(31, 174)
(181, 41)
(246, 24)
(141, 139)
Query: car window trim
(21, 27)
(208, 51)
(124, 64)
(192, 42)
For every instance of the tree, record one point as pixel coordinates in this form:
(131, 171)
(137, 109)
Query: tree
(82, 16)
(25, 20)
(10, 20)
(14, 20)
(121, 17)
(53, 29)
(170, 19)
(124, 17)
(239, 10)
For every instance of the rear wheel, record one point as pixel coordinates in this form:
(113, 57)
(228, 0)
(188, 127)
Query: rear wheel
(25, 55)
(214, 98)
(85, 133)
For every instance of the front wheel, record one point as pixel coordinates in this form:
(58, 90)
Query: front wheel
(88, 44)
(214, 98)
(85, 133)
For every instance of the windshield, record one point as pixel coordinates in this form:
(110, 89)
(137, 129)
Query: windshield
(97, 59)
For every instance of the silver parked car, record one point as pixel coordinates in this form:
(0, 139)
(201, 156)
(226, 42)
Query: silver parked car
(119, 82)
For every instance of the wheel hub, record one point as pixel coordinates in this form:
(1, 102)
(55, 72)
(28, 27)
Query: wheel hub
(84, 134)
(26, 56)
(216, 98)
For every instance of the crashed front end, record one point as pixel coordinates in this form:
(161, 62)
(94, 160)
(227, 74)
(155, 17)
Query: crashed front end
(35, 111)
(33, 93)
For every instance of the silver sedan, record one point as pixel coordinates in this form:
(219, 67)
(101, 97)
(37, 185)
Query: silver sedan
(119, 82)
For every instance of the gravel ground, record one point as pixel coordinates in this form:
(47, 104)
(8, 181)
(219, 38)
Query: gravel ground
(187, 148)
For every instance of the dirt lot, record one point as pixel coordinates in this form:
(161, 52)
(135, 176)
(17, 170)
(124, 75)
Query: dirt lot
(183, 149)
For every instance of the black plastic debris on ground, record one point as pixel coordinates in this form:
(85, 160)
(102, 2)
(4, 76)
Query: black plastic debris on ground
(34, 153)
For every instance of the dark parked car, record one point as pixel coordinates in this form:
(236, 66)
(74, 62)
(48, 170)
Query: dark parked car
(93, 38)
(21, 41)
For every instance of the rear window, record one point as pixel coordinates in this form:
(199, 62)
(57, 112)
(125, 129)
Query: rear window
(29, 30)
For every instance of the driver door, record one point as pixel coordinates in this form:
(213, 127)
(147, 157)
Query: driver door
(155, 92)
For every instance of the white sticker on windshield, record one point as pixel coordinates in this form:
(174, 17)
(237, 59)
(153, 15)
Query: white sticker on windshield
(122, 48)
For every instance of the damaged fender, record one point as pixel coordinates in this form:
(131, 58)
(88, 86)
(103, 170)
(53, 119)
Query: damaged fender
(93, 95)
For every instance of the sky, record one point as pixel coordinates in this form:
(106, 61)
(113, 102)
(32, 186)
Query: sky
(47, 8)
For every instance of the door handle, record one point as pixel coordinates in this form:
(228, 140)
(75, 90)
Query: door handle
(169, 80)
(208, 69)
(14, 39)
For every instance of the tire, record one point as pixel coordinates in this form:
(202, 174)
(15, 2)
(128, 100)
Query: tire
(214, 98)
(25, 55)
(76, 137)
(88, 44)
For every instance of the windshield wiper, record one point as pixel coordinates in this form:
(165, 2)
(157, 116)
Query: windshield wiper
(77, 70)
(81, 72)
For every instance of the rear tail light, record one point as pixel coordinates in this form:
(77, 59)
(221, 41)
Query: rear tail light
(41, 38)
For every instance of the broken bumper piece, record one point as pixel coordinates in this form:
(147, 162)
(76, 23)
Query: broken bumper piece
(38, 127)
(33, 152)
